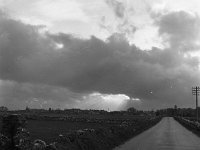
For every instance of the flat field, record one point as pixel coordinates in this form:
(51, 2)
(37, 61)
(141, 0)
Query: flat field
(49, 129)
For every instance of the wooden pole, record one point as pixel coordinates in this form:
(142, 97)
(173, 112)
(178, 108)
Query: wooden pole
(195, 91)
(197, 115)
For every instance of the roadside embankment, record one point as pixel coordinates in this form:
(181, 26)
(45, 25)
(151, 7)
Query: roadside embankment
(194, 126)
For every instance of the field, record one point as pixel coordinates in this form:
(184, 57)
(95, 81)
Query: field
(48, 126)
(80, 131)
(49, 130)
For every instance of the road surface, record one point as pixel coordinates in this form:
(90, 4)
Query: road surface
(168, 134)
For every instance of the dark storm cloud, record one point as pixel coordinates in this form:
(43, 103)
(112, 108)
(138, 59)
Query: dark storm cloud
(17, 95)
(157, 77)
(118, 7)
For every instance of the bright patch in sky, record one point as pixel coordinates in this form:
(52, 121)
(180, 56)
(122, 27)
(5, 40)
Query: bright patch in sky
(59, 45)
(109, 102)
(84, 18)
(60, 10)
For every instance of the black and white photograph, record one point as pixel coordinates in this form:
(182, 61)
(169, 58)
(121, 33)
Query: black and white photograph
(99, 75)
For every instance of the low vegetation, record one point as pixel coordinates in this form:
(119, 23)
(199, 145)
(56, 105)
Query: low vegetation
(93, 132)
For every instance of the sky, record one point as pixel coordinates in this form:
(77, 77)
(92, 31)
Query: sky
(105, 54)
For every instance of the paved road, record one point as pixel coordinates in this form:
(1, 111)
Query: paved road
(168, 134)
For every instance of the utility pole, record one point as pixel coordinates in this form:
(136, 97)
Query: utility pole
(195, 91)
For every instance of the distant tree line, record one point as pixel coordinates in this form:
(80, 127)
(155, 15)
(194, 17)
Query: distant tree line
(183, 112)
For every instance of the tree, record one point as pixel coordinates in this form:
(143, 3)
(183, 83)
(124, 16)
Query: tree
(132, 110)
(3, 108)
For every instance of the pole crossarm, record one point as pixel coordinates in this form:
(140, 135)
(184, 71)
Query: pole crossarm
(195, 90)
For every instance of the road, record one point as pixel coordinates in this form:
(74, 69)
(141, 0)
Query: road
(168, 134)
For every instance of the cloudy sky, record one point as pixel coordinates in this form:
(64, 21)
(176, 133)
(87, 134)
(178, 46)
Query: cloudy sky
(105, 54)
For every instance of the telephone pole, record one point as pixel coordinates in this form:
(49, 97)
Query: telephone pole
(195, 91)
